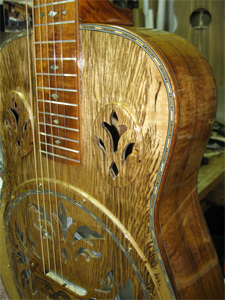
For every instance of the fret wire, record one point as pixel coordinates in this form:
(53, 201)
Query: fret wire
(51, 58)
(56, 41)
(57, 115)
(53, 74)
(56, 89)
(61, 127)
(54, 23)
(60, 156)
(54, 3)
(60, 103)
(58, 137)
(61, 148)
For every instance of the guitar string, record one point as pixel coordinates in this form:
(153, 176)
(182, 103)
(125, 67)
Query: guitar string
(46, 139)
(43, 187)
(56, 200)
(32, 111)
(76, 70)
(34, 146)
(64, 112)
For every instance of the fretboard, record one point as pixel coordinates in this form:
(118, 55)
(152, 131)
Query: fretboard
(56, 28)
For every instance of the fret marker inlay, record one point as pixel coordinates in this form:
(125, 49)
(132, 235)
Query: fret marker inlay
(58, 142)
(41, 15)
(64, 12)
(52, 13)
(53, 67)
(55, 96)
(56, 122)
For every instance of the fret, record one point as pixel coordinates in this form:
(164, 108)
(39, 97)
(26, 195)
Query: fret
(56, 50)
(67, 123)
(54, 23)
(57, 115)
(64, 97)
(55, 32)
(65, 66)
(55, 89)
(59, 147)
(54, 3)
(52, 74)
(55, 58)
(48, 107)
(54, 136)
(61, 127)
(58, 103)
(57, 82)
(53, 42)
(60, 156)
(70, 134)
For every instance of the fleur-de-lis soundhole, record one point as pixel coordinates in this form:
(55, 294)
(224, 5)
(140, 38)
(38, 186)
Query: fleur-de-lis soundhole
(17, 118)
(120, 144)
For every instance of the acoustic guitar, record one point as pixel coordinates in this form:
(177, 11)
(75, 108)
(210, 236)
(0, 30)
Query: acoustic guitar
(103, 130)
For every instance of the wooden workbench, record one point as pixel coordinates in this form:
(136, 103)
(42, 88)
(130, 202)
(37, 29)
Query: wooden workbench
(210, 184)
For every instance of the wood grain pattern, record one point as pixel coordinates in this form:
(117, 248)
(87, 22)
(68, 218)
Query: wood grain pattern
(104, 12)
(135, 84)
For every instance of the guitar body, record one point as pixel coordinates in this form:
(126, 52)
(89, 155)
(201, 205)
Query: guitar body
(126, 223)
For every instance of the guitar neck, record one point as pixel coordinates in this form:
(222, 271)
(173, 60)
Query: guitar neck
(56, 31)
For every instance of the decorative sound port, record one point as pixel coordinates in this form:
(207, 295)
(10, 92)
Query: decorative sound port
(126, 293)
(65, 255)
(7, 123)
(86, 234)
(114, 130)
(101, 145)
(107, 286)
(25, 275)
(113, 170)
(24, 127)
(127, 151)
(61, 218)
(119, 137)
(200, 19)
(87, 253)
(16, 116)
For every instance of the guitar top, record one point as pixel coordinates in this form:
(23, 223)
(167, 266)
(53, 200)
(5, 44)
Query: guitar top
(103, 130)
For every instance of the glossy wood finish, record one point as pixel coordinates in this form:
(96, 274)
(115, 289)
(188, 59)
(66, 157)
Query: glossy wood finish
(131, 84)
(181, 228)
(102, 11)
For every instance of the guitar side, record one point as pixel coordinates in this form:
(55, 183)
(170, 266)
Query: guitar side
(154, 201)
